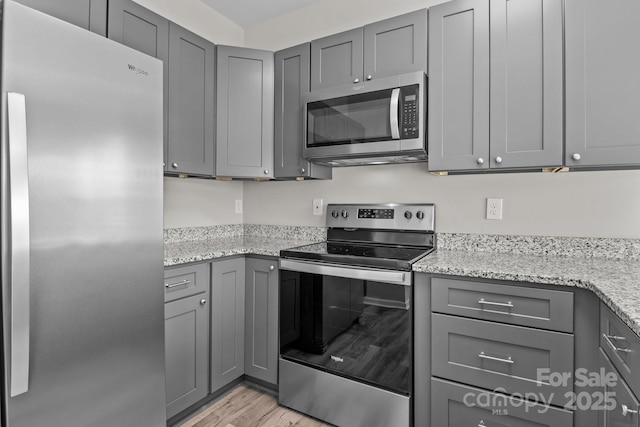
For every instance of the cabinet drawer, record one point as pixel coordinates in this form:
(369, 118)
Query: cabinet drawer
(459, 405)
(622, 346)
(625, 408)
(492, 355)
(185, 281)
(516, 305)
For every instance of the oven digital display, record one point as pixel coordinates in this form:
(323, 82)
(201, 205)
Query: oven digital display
(376, 213)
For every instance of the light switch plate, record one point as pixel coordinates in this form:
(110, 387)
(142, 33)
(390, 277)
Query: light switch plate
(239, 206)
(317, 206)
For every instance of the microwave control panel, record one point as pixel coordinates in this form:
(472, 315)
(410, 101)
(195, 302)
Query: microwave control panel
(410, 124)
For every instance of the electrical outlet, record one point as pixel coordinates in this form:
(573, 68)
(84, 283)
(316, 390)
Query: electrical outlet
(317, 206)
(239, 206)
(494, 208)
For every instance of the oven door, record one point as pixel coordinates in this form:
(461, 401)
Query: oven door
(351, 322)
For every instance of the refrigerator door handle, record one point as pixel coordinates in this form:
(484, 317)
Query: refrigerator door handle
(18, 190)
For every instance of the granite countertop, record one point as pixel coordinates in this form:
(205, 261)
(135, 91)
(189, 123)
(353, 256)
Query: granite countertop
(615, 281)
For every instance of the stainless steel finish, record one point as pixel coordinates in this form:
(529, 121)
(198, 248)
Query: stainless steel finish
(496, 359)
(173, 285)
(303, 170)
(338, 400)
(498, 304)
(399, 222)
(480, 161)
(95, 193)
(498, 160)
(266, 171)
(356, 80)
(369, 77)
(203, 301)
(576, 156)
(272, 267)
(393, 114)
(19, 243)
(174, 165)
(614, 347)
(626, 410)
(361, 273)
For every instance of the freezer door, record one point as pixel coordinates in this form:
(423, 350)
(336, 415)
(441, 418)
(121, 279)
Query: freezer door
(94, 353)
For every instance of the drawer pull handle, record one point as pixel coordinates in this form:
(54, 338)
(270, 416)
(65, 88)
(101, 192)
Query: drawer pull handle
(626, 411)
(173, 285)
(496, 359)
(482, 424)
(608, 339)
(498, 304)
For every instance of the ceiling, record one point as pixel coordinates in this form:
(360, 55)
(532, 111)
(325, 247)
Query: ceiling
(247, 13)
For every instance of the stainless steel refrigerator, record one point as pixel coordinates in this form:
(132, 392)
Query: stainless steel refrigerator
(81, 228)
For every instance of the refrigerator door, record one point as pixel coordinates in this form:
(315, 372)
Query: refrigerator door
(91, 351)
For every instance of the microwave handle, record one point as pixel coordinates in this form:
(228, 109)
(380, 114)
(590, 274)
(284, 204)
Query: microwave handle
(393, 113)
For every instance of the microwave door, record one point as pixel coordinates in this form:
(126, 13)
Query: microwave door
(393, 113)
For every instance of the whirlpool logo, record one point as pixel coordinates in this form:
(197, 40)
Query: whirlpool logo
(137, 70)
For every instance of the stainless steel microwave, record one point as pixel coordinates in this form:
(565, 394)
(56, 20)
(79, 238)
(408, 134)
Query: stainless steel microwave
(374, 122)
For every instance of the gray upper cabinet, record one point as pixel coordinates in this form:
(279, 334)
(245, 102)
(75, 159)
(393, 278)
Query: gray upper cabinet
(244, 142)
(261, 320)
(191, 139)
(336, 60)
(602, 83)
(394, 46)
(291, 81)
(88, 14)
(459, 85)
(145, 31)
(227, 321)
(526, 84)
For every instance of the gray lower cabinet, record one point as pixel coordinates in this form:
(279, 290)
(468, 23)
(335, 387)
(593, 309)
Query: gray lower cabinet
(88, 14)
(244, 141)
(620, 407)
(261, 319)
(186, 336)
(602, 83)
(291, 81)
(191, 127)
(227, 321)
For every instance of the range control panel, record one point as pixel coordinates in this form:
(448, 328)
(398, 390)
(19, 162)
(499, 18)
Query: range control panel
(414, 216)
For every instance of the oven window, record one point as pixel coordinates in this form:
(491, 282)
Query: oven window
(349, 120)
(354, 328)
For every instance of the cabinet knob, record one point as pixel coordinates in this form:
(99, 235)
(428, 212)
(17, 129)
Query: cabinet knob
(369, 77)
(480, 161)
(164, 164)
(356, 80)
(272, 267)
(303, 170)
(626, 411)
(576, 156)
(174, 165)
(203, 301)
(498, 160)
(266, 171)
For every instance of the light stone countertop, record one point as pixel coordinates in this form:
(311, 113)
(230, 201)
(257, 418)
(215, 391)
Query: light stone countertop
(616, 282)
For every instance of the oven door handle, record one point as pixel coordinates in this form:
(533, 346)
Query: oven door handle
(384, 276)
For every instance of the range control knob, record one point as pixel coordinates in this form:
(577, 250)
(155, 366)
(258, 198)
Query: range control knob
(420, 215)
(407, 214)
(334, 213)
(345, 214)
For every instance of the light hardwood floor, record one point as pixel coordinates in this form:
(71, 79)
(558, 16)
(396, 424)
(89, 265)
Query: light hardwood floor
(248, 406)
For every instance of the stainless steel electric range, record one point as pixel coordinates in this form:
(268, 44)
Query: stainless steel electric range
(346, 315)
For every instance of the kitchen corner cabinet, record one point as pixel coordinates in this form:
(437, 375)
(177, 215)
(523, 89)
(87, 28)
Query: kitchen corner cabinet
(191, 127)
(227, 321)
(602, 83)
(292, 79)
(261, 319)
(244, 141)
(495, 85)
(88, 14)
(186, 336)
(394, 46)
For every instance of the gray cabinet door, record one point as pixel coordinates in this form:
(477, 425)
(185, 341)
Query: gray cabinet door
(147, 32)
(261, 320)
(227, 321)
(602, 83)
(619, 394)
(526, 83)
(337, 60)
(396, 46)
(291, 81)
(88, 14)
(186, 351)
(191, 139)
(459, 85)
(244, 143)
